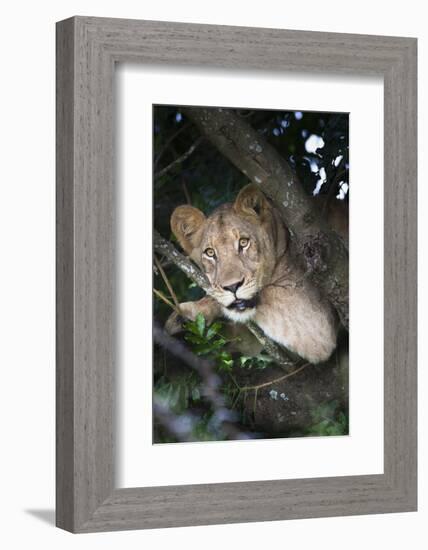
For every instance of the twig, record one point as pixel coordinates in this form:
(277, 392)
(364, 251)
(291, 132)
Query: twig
(162, 296)
(165, 248)
(167, 283)
(244, 389)
(186, 192)
(255, 403)
(280, 379)
(168, 143)
(180, 159)
(211, 382)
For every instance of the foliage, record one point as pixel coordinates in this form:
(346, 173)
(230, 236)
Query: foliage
(316, 146)
(185, 392)
(207, 340)
(257, 362)
(179, 393)
(329, 419)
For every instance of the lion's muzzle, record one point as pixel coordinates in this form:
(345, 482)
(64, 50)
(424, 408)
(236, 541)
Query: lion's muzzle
(242, 305)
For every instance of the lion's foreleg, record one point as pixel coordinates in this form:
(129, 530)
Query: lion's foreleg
(209, 308)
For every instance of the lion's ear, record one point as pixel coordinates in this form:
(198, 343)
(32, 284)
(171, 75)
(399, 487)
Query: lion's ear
(252, 202)
(186, 224)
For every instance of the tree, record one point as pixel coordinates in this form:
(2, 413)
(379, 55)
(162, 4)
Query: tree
(203, 156)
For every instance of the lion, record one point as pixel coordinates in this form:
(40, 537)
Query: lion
(244, 250)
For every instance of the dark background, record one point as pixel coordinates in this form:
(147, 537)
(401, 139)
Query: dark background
(190, 170)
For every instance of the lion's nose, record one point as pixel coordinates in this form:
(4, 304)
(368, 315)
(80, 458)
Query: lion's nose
(234, 287)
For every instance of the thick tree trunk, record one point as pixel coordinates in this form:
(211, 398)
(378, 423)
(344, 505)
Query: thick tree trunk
(323, 252)
(288, 407)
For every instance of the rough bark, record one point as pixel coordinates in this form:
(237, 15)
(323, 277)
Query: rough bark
(169, 251)
(322, 251)
(286, 408)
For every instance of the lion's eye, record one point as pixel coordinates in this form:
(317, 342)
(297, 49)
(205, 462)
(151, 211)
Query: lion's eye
(209, 252)
(243, 242)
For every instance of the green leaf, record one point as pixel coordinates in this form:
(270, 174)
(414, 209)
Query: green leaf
(191, 326)
(258, 362)
(196, 394)
(217, 344)
(226, 365)
(194, 339)
(200, 323)
(203, 349)
(264, 359)
(213, 330)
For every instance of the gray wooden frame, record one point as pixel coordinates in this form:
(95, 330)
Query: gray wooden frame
(87, 50)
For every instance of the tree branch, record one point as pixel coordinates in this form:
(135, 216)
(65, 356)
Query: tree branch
(180, 159)
(168, 143)
(211, 386)
(322, 251)
(271, 348)
(168, 250)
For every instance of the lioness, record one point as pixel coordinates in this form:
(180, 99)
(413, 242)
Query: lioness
(243, 248)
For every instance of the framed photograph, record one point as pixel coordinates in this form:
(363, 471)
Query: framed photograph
(236, 274)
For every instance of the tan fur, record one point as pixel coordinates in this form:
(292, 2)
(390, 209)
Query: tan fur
(281, 301)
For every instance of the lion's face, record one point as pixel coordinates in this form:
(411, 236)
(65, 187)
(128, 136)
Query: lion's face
(237, 247)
